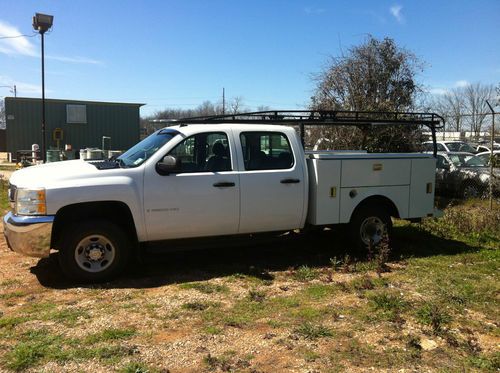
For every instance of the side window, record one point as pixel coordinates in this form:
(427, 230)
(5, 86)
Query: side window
(440, 148)
(266, 151)
(204, 152)
(442, 162)
(485, 158)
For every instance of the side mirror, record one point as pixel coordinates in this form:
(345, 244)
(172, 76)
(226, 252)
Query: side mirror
(168, 165)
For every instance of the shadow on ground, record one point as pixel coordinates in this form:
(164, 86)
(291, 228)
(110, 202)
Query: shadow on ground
(313, 250)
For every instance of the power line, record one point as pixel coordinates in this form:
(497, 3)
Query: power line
(18, 36)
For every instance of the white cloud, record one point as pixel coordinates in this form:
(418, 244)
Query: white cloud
(74, 59)
(13, 46)
(396, 12)
(310, 10)
(461, 83)
(24, 47)
(438, 91)
(23, 88)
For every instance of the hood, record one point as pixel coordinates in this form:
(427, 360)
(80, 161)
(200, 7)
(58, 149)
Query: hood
(42, 176)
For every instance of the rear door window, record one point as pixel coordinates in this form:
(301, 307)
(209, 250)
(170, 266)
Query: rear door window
(266, 151)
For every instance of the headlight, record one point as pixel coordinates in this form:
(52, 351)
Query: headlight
(484, 178)
(30, 202)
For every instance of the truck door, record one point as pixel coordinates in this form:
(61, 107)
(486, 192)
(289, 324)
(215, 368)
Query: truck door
(272, 183)
(202, 199)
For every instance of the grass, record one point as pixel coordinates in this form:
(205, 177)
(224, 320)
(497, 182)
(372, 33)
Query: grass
(111, 334)
(309, 330)
(433, 315)
(196, 306)
(388, 302)
(137, 367)
(4, 199)
(339, 314)
(205, 287)
(305, 274)
(11, 295)
(41, 345)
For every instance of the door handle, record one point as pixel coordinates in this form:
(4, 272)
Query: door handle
(290, 181)
(224, 184)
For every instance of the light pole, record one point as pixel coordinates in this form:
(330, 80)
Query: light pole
(42, 23)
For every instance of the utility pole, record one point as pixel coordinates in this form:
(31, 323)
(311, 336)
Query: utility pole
(223, 101)
(13, 89)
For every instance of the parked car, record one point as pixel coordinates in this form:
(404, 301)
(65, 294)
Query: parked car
(486, 147)
(486, 157)
(449, 146)
(462, 174)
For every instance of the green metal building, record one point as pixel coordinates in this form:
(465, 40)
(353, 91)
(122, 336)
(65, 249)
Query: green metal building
(79, 123)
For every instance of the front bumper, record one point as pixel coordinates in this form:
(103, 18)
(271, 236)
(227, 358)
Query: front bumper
(28, 235)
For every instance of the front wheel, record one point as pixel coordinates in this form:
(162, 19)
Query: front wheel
(369, 226)
(471, 190)
(93, 251)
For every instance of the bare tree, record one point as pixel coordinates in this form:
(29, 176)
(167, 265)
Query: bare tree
(377, 75)
(451, 106)
(263, 108)
(207, 108)
(236, 105)
(475, 96)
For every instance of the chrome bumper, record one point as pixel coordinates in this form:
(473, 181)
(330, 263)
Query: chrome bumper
(28, 235)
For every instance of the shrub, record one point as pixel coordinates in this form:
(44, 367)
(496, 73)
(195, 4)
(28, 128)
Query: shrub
(433, 315)
(312, 331)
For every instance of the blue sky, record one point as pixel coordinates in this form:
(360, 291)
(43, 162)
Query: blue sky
(180, 53)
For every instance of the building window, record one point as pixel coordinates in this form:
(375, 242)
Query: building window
(76, 113)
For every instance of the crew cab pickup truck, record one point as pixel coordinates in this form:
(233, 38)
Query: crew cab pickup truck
(190, 181)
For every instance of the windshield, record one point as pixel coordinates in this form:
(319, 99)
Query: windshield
(460, 147)
(140, 152)
(466, 160)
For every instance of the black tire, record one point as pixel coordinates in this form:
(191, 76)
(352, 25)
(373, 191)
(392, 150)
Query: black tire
(373, 220)
(94, 251)
(471, 190)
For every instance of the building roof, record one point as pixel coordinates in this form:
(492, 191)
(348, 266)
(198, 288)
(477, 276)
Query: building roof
(75, 101)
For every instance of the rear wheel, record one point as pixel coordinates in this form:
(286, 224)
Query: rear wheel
(93, 251)
(369, 226)
(471, 190)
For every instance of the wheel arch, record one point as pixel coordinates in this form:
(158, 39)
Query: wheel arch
(114, 211)
(377, 200)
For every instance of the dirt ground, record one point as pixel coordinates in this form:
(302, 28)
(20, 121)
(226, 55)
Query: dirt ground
(287, 306)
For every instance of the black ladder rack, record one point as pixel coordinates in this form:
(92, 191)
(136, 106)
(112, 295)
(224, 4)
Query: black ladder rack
(304, 118)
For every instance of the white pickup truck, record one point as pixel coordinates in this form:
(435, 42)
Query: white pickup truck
(190, 181)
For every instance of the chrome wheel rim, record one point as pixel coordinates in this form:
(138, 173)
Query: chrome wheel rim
(372, 230)
(94, 253)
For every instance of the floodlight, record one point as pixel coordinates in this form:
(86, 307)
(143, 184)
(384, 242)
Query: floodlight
(42, 22)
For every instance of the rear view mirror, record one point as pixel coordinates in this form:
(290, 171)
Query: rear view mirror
(168, 165)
